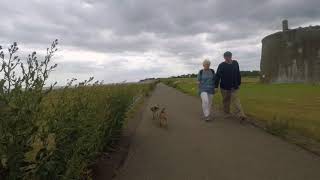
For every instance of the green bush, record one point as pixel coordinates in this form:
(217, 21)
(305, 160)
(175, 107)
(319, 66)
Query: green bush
(56, 134)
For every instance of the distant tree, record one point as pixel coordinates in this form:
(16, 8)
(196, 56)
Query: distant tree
(250, 73)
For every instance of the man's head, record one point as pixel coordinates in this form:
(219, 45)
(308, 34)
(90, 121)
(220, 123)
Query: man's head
(227, 56)
(206, 64)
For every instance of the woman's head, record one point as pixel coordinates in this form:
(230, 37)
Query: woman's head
(206, 64)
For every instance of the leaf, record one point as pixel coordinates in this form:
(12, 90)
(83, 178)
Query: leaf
(30, 167)
(4, 162)
(51, 142)
(37, 146)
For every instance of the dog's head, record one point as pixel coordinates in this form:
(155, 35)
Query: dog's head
(154, 108)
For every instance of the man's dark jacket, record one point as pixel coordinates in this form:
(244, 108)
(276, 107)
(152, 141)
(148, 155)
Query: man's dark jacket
(228, 75)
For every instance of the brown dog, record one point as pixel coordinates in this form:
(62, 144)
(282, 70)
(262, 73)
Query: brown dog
(163, 118)
(155, 110)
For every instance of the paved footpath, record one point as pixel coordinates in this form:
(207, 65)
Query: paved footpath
(224, 149)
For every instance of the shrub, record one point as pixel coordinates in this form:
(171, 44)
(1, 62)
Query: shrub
(56, 134)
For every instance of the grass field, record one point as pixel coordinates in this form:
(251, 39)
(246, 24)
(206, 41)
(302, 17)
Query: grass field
(284, 107)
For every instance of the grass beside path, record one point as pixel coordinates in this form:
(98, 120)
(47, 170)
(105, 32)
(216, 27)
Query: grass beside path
(285, 108)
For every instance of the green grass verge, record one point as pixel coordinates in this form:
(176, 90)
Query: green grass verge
(283, 107)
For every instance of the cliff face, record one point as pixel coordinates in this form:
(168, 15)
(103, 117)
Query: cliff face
(291, 56)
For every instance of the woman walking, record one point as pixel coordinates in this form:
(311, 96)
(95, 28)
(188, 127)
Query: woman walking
(206, 77)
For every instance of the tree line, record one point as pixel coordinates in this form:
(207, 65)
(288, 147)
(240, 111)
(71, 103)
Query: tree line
(243, 74)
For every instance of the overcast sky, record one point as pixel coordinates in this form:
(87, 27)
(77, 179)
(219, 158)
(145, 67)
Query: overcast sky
(118, 40)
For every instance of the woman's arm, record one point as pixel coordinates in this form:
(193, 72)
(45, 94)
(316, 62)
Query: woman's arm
(198, 78)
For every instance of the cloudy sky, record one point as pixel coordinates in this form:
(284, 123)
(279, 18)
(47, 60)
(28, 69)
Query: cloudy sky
(118, 40)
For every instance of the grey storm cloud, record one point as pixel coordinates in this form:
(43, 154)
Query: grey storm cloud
(181, 29)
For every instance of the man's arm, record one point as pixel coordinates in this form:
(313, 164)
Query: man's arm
(218, 76)
(239, 74)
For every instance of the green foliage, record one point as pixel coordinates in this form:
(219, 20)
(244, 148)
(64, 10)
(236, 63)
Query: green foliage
(21, 96)
(46, 134)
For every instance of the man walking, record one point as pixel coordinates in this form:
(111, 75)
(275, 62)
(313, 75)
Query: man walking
(228, 75)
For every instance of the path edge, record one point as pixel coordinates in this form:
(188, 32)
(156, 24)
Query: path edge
(110, 162)
(307, 144)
